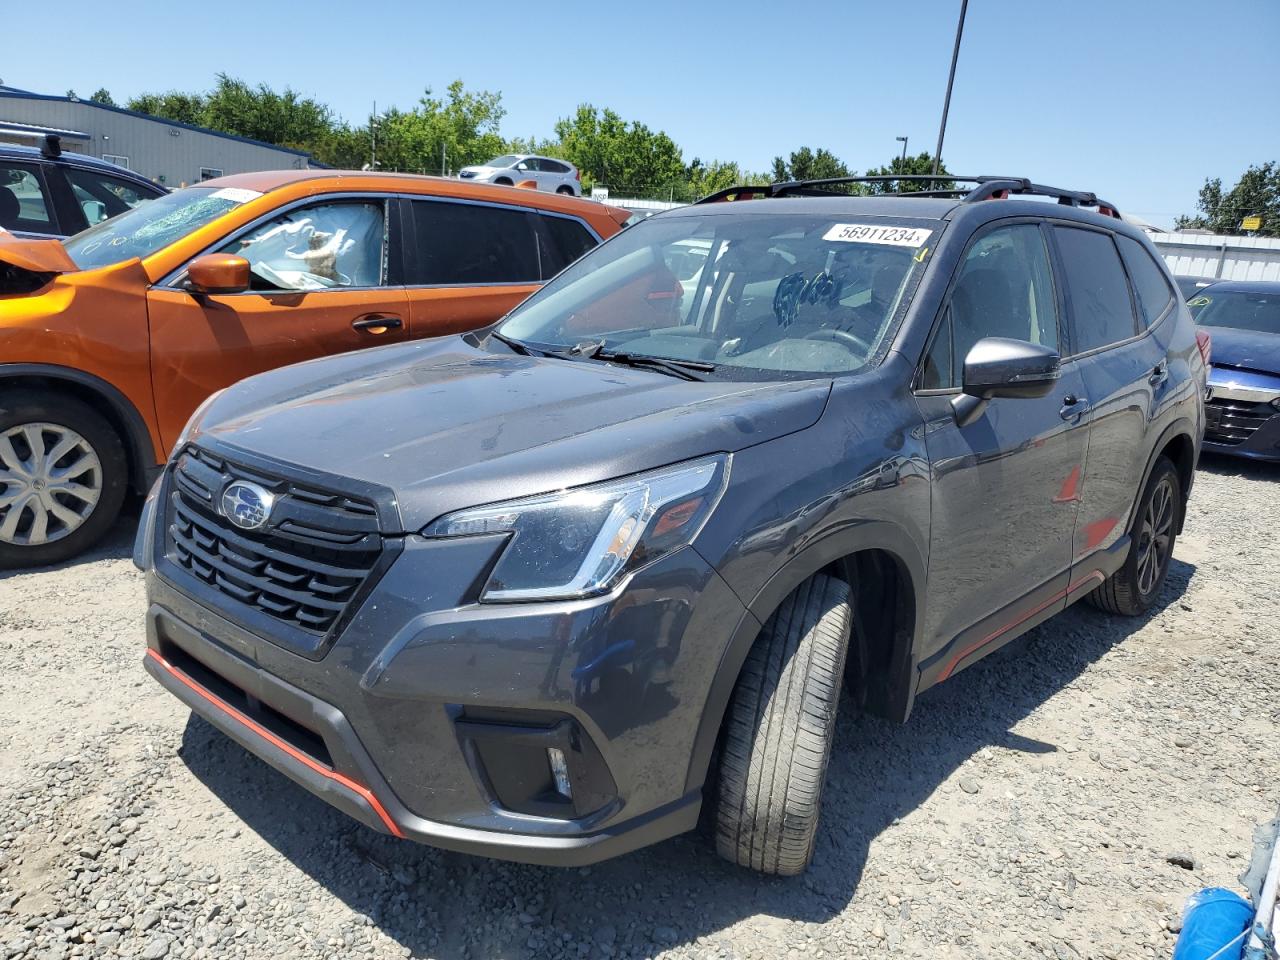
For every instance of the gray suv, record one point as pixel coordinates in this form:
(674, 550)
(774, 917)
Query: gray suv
(544, 591)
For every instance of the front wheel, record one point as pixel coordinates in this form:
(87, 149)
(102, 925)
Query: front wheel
(1133, 588)
(63, 478)
(779, 730)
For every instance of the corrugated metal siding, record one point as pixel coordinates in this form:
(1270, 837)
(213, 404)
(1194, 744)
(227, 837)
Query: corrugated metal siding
(169, 154)
(1220, 257)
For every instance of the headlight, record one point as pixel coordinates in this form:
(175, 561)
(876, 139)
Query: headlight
(193, 424)
(580, 542)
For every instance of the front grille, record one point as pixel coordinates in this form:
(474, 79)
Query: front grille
(1233, 422)
(303, 568)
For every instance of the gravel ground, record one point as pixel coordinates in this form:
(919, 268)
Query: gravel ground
(1059, 799)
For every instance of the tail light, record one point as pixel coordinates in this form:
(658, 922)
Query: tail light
(1205, 343)
(577, 174)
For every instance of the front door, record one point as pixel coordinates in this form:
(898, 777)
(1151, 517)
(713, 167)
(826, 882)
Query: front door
(1005, 486)
(319, 286)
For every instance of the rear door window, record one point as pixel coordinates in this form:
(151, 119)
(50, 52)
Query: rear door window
(101, 195)
(470, 243)
(1101, 309)
(1149, 283)
(24, 203)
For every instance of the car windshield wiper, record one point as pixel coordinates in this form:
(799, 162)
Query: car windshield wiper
(521, 347)
(684, 369)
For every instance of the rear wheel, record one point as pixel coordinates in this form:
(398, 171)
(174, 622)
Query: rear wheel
(1133, 588)
(568, 191)
(779, 730)
(63, 478)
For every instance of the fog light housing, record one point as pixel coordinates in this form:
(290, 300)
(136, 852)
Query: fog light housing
(560, 771)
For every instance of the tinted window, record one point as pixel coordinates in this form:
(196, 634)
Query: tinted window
(1148, 279)
(471, 243)
(101, 195)
(315, 248)
(553, 166)
(1100, 305)
(566, 240)
(23, 205)
(1004, 289)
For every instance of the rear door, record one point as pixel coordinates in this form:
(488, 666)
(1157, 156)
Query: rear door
(469, 263)
(325, 279)
(1004, 487)
(1124, 378)
(94, 196)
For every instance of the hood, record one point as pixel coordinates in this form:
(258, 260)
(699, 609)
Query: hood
(1246, 349)
(35, 256)
(444, 425)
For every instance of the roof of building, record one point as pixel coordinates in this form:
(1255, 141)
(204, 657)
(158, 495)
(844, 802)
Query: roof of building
(15, 93)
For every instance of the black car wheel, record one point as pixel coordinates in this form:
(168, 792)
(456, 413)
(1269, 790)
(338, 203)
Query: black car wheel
(63, 477)
(779, 730)
(1133, 588)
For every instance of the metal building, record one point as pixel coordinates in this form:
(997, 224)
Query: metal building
(1218, 257)
(166, 151)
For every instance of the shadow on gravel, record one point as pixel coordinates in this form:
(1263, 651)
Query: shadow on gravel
(1224, 466)
(118, 543)
(439, 903)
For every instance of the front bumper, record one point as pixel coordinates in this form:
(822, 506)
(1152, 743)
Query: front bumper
(428, 717)
(1241, 419)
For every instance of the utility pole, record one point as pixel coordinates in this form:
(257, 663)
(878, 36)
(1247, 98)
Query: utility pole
(904, 152)
(373, 137)
(444, 163)
(951, 79)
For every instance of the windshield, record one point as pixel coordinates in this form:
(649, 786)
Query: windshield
(506, 160)
(143, 230)
(758, 295)
(1244, 310)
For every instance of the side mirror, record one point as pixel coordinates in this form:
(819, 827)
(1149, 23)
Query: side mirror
(218, 273)
(1000, 367)
(95, 211)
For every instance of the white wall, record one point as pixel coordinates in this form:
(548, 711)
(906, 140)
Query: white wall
(1220, 257)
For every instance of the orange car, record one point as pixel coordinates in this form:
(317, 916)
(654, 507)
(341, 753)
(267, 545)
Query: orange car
(110, 339)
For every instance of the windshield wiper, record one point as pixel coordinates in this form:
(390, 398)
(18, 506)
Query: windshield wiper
(520, 347)
(684, 369)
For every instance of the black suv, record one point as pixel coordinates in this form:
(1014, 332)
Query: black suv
(45, 192)
(539, 591)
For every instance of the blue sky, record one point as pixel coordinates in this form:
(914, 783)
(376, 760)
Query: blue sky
(1138, 100)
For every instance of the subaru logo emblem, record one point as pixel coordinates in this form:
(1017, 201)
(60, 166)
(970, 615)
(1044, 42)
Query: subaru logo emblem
(247, 505)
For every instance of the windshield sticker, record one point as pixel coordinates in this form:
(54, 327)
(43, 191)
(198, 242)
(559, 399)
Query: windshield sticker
(870, 233)
(236, 194)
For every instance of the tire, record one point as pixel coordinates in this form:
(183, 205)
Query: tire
(503, 182)
(1133, 588)
(779, 730)
(566, 191)
(77, 508)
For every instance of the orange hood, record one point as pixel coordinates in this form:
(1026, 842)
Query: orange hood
(38, 256)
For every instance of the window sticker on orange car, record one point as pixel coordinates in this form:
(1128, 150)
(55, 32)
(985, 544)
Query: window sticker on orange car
(871, 233)
(236, 194)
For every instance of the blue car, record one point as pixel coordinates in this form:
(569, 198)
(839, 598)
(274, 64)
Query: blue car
(46, 193)
(1242, 416)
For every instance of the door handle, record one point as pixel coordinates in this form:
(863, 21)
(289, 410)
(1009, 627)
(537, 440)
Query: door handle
(1073, 408)
(376, 323)
(1159, 375)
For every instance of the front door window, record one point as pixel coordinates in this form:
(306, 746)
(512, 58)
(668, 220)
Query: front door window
(316, 248)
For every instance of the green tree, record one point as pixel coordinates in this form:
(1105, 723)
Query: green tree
(102, 95)
(455, 130)
(629, 158)
(806, 164)
(174, 105)
(286, 118)
(1256, 194)
(921, 163)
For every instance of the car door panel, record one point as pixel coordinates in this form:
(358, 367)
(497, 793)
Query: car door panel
(199, 345)
(1004, 507)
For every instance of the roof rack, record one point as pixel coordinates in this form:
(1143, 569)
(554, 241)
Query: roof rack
(50, 143)
(985, 188)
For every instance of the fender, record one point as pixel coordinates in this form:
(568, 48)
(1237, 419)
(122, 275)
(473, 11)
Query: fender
(139, 447)
(1180, 427)
(840, 542)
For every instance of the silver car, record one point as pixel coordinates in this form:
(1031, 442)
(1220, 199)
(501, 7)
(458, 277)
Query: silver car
(512, 168)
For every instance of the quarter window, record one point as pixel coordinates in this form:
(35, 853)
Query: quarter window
(23, 205)
(1149, 283)
(1101, 310)
(1004, 289)
(565, 241)
(316, 248)
(464, 243)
